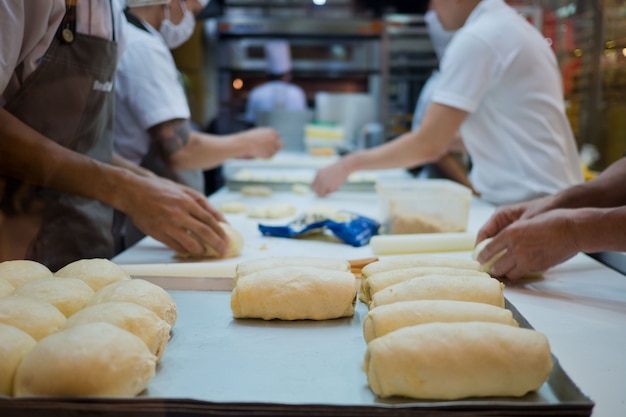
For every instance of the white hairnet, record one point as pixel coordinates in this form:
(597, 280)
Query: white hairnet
(278, 57)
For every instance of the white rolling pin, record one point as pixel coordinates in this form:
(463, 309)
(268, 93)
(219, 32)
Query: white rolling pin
(189, 269)
(422, 242)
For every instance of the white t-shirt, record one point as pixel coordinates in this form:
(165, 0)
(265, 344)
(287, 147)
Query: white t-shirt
(500, 70)
(27, 28)
(148, 91)
(274, 95)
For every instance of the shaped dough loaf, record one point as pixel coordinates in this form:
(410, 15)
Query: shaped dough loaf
(387, 318)
(37, 318)
(256, 265)
(14, 344)
(411, 261)
(68, 295)
(96, 272)
(449, 361)
(5, 288)
(294, 293)
(95, 359)
(18, 272)
(443, 287)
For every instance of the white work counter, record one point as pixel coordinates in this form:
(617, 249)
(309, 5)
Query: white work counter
(580, 305)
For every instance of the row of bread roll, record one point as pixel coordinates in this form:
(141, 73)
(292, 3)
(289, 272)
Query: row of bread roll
(293, 288)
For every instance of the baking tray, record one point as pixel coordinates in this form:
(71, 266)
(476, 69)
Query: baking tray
(219, 366)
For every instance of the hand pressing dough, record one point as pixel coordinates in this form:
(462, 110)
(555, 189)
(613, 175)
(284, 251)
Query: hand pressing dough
(260, 264)
(387, 318)
(137, 319)
(142, 292)
(68, 295)
(256, 191)
(272, 211)
(5, 288)
(14, 344)
(95, 360)
(443, 287)
(486, 267)
(449, 361)
(18, 272)
(235, 244)
(410, 261)
(294, 293)
(96, 272)
(37, 318)
(381, 280)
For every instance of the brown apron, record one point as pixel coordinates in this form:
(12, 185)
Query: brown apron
(69, 99)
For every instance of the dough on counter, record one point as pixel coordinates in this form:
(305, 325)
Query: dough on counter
(486, 267)
(37, 318)
(271, 211)
(380, 280)
(301, 189)
(137, 319)
(95, 359)
(234, 207)
(260, 264)
(294, 293)
(256, 190)
(96, 272)
(235, 244)
(443, 287)
(403, 222)
(18, 272)
(14, 344)
(449, 361)
(5, 288)
(141, 292)
(68, 295)
(387, 318)
(410, 261)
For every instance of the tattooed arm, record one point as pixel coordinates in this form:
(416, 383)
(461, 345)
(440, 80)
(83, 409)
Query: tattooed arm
(185, 149)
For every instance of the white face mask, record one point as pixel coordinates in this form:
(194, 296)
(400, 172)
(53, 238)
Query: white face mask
(176, 35)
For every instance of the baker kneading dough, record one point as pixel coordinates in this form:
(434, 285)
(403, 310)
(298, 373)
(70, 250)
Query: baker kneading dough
(486, 267)
(380, 280)
(449, 361)
(95, 359)
(294, 293)
(387, 318)
(142, 292)
(68, 295)
(411, 261)
(235, 244)
(443, 287)
(14, 344)
(18, 272)
(260, 264)
(137, 319)
(37, 318)
(96, 272)
(5, 288)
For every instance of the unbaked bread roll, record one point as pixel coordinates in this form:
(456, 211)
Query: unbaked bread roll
(137, 319)
(256, 190)
(443, 287)
(141, 292)
(37, 318)
(5, 288)
(233, 207)
(380, 280)
(449, 361)
(411, 261)
(235, 244)
(486, 267)
(18, 272)
(271, 211)
(294, 293)
(387, 318)
(260, 264)
(96, 272)
(95, 359)
(14, 344)
(68, 295)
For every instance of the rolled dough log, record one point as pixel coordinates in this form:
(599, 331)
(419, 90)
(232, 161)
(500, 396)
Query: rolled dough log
(422, 242)
(387, 318)
(96, 272)
(486, 267)
(449, 361)
(14, 344)
(68, 295)
(410, 261)
(260, 264)
(37, 318)
(18, 272)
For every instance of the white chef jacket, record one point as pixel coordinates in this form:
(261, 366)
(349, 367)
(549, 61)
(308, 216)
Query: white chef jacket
(148, 91)
(500, 70)
(274, 95)
(33, 24)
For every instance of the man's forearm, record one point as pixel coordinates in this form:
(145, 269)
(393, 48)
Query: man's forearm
(600, 229)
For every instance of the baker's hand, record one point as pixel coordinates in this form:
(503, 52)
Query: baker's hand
(533, 244)
(261, 142)
(177, 216)
(329, 179)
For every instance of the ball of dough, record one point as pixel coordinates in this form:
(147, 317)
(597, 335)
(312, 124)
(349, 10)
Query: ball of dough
(68, 295)
(140, 292)
(95, 359)
(95, 272)
(14, 344)
(37, 318)
(137, 319)
(5, 288)
(18, 272)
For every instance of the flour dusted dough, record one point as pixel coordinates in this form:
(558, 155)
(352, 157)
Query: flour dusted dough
(387, 318)
(384, 279)
(235, 244)
(260, 264)
(18, 272)
(449, 361)
(410, 261)
(95, 359)
(37, 318)
(5, 288)
(14, 344)
(137, 319)
(443, 287)
(68, 295)
(96, 272)
(141, 292)
(294, 293)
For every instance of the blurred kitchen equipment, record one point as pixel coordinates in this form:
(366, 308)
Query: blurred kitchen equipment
(290, 125)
